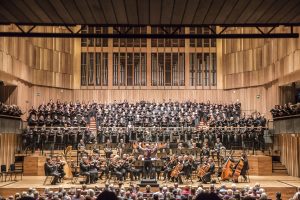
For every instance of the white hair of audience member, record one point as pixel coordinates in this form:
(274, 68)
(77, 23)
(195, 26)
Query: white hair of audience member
(263, 196)
(297, 195)
(46, 190)
(165, 189)
(60, 188)
(17, 195)
(246, 187)
(66, 197)
(229, 192)
(223, 189)
(24, 194)
(10, 197)
(212, 187)
(111, 187)
(36, 194)
(261, 190)
(91, 192)
(233, 186)
(199, 190)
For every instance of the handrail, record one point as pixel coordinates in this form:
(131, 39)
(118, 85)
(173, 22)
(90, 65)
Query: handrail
(286, 117)
(158, 127)
(10, 117)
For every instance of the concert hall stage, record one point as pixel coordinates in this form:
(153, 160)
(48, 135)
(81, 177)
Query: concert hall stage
(285, 184)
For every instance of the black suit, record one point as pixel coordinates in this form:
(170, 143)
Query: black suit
(85, 171)
(51, 170)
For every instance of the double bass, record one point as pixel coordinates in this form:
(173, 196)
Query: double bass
(238, 170)
(227, 170)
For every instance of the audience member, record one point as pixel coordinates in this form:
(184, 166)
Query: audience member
(10, 110)
(111, 192)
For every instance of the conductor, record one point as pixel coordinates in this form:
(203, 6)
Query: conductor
(148, 151)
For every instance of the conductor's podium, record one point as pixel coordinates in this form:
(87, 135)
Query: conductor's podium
(34, 165)
(260, 165)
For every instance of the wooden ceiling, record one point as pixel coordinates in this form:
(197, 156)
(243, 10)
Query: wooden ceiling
(150, 12)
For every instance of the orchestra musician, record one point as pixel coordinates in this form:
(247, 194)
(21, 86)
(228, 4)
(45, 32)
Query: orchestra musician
(81, 145)
(93, 169)
(176, 173)
(218, 146)
(51, 170)
(205, 150)
(169, 165)
(241, 168)
(187, 166)
(121, 147)
(108, 148)
(115, 167)
(104, 168)
(207, 176)
(85, 169)
(60, 168)
(81, 148)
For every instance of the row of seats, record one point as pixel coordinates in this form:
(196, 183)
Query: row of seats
(8, 174)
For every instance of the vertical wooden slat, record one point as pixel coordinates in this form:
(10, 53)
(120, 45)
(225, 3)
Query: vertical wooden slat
(8, 143)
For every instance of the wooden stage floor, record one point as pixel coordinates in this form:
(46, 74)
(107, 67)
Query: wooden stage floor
(287, 185)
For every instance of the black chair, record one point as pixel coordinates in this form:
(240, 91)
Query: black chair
(4, 173)
(248, 178)
(11, 172)
(19, 169)
(15, 170)
(47, 175)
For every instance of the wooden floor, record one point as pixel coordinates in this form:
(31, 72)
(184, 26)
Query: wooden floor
(287, 185)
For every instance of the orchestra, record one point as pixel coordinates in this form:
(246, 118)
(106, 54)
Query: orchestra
(150, 140)
(175, 168)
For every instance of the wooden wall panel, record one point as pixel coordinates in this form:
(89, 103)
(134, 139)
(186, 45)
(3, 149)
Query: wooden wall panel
(37, 60)
(259, 61)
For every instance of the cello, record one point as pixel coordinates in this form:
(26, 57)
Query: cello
(177, 169)
(227, 170)
(203, 170)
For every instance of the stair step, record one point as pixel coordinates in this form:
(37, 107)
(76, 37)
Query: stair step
(280, 171)
(279, 168)
(278, 165)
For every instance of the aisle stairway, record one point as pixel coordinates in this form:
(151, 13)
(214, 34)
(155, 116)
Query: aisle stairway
(93, 125)
(278, 168)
